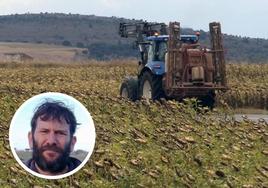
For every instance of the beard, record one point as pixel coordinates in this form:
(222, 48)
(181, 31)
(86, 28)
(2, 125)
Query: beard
(55, 166)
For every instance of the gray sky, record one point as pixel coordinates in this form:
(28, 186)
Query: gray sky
(238, 17)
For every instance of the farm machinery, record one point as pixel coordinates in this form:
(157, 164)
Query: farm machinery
(174, 66)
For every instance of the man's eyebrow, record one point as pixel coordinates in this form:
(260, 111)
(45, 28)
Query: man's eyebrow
(61, 130)
(56, 130)
(42, 128)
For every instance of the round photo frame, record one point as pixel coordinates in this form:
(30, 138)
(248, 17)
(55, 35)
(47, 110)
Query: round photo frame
(20, 128)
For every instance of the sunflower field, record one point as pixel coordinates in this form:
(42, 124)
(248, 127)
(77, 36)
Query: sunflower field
(161, 144)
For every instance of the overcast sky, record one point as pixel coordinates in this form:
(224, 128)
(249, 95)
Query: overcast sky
(238, 17)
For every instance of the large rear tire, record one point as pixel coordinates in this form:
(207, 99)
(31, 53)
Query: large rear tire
(150, 87)
(129, 88)
(208, 100)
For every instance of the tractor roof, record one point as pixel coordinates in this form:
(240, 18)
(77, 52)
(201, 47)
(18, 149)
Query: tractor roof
(184, 38)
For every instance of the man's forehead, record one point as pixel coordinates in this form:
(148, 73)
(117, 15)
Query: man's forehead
(52, 124)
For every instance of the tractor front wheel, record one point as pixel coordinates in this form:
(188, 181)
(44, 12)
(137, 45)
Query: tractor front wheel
(129, 88)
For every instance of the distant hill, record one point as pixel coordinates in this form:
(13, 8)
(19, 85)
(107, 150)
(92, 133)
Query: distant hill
(11, 52)
(100, 35)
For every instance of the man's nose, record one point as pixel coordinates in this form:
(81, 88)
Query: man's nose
(51, 139)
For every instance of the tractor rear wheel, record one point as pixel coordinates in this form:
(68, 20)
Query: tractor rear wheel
(208, 100)
(129, 88)
(151, 86)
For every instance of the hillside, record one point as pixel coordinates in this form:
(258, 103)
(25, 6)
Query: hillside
(41, 52)
(99, 35)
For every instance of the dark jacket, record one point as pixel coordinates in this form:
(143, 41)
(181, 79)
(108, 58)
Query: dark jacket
(72, 164)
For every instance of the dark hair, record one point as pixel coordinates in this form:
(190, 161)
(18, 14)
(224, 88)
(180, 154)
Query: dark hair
(54, 110)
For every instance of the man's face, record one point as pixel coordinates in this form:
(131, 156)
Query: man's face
(51, 144)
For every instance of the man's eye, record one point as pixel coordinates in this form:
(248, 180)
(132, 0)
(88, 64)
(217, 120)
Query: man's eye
(44, 131)
(61, 133)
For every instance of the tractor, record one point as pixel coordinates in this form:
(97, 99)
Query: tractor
(174, 66)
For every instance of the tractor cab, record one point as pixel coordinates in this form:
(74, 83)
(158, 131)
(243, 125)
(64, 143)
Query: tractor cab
(158, 45)
(153, 55)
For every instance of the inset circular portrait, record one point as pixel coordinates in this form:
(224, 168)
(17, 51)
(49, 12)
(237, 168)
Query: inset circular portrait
(52, 135)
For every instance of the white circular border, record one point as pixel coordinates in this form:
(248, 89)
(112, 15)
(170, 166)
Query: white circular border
(92, 134)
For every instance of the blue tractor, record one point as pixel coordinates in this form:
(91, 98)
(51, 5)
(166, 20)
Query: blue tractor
(174, 66)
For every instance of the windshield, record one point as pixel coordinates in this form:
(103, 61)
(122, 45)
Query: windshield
(162, 49)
